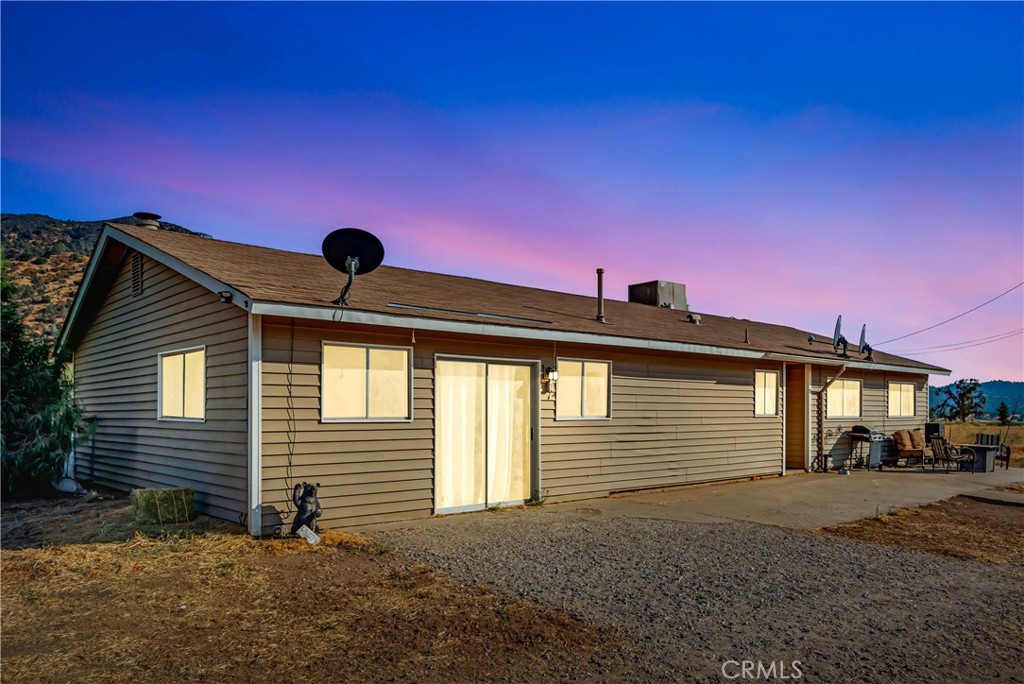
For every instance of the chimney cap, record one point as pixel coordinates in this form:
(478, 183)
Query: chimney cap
(147, 219)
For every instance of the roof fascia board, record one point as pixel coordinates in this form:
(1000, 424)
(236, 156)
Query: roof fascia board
(369, 318)
(238, 298)
(861, 365)
(90, 272)
(433, 324)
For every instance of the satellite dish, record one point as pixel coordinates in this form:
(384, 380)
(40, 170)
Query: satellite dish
(352, 251)
(838, 339)
(864, 347)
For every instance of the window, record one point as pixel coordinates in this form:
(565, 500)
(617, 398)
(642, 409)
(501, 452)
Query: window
(766, 393)
(584, 389)
(844, 399)
(182, 380)
(365, 383)
(901, 399)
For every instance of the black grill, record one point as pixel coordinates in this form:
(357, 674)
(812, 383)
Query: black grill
(875, 439)
(862, 433)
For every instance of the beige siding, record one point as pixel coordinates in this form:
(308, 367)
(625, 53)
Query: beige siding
(673, 422)
(874, 409)
(116, 382)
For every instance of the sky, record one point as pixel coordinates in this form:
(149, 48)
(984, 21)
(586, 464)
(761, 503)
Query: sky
(787, 162)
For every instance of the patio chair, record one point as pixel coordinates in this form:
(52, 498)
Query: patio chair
(909, 446)
(949, 454)
(1003, 453)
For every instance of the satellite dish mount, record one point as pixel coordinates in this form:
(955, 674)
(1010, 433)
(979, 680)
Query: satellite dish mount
(353, 252)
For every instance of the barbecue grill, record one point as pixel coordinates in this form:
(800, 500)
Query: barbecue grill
(875, 440)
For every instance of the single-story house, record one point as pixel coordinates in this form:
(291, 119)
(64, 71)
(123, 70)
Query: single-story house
(224, 367)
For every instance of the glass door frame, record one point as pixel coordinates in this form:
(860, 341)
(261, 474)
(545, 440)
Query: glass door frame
(535, 470)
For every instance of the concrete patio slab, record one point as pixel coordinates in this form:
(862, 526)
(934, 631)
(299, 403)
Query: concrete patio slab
(799, 501)
(806, 500)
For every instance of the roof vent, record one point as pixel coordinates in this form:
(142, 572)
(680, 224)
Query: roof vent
(144, 219)
(660, 293)
(693, 318)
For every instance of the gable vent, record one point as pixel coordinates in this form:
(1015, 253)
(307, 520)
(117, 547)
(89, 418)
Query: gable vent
(136, 274)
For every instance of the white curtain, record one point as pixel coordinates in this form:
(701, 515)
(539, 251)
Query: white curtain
(508, 433)
(460, 427)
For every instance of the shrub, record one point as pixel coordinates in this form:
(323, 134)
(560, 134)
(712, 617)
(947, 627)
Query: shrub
(40, 416)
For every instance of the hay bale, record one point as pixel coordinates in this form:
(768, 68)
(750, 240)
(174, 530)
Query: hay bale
(164, 506)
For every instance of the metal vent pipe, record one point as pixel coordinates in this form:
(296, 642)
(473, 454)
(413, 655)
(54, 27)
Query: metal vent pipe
(600, 296)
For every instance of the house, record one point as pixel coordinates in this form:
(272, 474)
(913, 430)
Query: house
(224, 367)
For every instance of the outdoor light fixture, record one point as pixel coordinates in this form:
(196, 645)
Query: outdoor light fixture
(225, 297)
(549, 376)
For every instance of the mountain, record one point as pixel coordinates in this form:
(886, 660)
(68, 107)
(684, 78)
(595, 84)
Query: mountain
(995, 391)
(45, 258)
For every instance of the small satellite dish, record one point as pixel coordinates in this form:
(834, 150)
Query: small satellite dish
(864, 347)
(838, 339)
(352, 251)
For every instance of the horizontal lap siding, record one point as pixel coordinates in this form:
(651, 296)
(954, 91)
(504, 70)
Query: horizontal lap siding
(368, 472)
(116, 381)
(674, 422)
(874, 409)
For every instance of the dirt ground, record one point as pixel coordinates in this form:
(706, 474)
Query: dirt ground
(958, 527)
(208, 603)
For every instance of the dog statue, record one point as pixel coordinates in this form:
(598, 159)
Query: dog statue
(307, 505)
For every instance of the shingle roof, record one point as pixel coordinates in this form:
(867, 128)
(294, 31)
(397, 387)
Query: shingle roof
(272, 275)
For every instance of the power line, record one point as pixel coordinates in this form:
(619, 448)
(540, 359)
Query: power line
(930, 327)
(1009, 333)
(968, 346)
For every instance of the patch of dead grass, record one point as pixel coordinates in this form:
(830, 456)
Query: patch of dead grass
(210, 603)
(958, 527)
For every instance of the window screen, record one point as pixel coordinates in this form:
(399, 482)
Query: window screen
(766, 393)
(901, 399)
(844, 399)
(365, 383)
(183, 385)
(583, 389)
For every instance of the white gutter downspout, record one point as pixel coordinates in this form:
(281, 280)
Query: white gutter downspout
(821, 466)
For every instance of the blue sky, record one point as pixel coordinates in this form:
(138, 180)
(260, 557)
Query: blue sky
(876, 145)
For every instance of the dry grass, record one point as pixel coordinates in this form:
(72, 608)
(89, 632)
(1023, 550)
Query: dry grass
(210, 603)
(964, 433)
(1015, 488)
(958, 527)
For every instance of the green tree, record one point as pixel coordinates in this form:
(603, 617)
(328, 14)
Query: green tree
(961, 400)
(40, 416)
(1003, 413)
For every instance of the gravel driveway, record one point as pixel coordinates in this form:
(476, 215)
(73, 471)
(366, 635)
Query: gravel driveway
(691, 596)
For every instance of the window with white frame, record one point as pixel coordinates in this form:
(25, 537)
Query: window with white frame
(359, 382)
(901, 399)
(182, 380)
(584, 389)
(766, 393)
(844, 399)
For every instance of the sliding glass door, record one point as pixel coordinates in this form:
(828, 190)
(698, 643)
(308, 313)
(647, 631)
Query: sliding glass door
(483, 427)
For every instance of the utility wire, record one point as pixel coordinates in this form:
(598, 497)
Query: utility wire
(930, 327)
(1009, 333)
(968, 346)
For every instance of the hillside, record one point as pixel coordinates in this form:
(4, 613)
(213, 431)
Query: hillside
(995, 391)
(45, 258)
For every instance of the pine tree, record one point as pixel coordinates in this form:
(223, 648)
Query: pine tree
(1003, 413)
